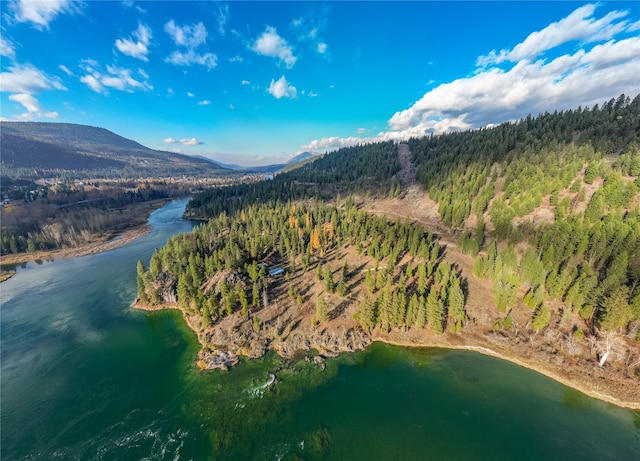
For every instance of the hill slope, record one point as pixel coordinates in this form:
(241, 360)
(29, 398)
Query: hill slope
(36, 149)
(540, 219)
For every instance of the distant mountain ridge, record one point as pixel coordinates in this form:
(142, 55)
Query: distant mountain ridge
(273, 168)
(37, 149)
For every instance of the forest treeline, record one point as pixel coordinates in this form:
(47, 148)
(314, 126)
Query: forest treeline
(223, 266)
(492, 185)
(369, 168)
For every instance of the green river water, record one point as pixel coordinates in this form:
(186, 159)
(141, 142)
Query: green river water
(84, 378)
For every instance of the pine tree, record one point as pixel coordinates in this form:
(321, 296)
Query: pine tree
(329, 286)
(342, 288)
(367, 317)
(422, 279)
(321, 310)
(456, 305)
(255, 295)
(370, 281)
(242, 298)
(435, 312)
(385, 309)
(412, 310)
(541, 317)
(421, 315)
(616, 310)
(140, 281)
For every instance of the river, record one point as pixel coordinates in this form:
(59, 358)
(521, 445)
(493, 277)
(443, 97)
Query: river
(85, 378)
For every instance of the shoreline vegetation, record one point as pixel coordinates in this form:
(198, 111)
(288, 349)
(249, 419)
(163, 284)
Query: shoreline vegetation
(420, 340)
(136, 227)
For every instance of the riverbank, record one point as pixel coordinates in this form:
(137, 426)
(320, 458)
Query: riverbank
(105, 243)
(116, 238)
(223, 343)
(561, 377)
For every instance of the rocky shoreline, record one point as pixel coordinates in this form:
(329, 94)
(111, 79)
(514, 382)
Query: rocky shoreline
(225, 342)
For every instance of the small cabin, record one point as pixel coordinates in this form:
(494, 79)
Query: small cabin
(276, 271)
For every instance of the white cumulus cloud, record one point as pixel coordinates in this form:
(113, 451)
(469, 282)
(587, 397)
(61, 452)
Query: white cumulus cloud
(204, 102)
(65, 69)
(191, 142)
(25, 78)
(579, 25)
(190, 36)
(190, 57)
(34, 109)
(138, 46)
(272, 45)
(115, 77)
(39, 12)
(282, 89)
(183, 141)
(222, 16)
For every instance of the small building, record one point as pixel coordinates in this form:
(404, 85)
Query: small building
(276, 271)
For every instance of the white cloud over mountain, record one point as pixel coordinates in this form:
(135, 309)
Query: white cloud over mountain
(184, 141)
(34, 109)
(527, 79)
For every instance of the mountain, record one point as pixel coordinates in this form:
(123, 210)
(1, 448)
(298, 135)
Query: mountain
(300, 158)
(264, 169)
(37, 149)
(271, 168)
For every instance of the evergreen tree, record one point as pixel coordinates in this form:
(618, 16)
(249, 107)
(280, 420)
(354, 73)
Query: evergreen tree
(541, 317)
(616, 310)
(435, 312)
(321, 310)
(456, 305)
(140, 282)
(367, 317)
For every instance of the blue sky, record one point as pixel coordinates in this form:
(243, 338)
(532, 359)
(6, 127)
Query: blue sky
(257, 82)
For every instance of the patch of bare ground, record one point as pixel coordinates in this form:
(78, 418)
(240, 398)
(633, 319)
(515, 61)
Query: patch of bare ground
(6, 275)
(407, 174)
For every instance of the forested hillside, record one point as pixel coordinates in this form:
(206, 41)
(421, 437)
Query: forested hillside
(551, 201)
(536, 255)
(566, 184)
(223, 267)
(368, 168)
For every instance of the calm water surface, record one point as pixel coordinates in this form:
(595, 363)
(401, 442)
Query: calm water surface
(84, 378)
